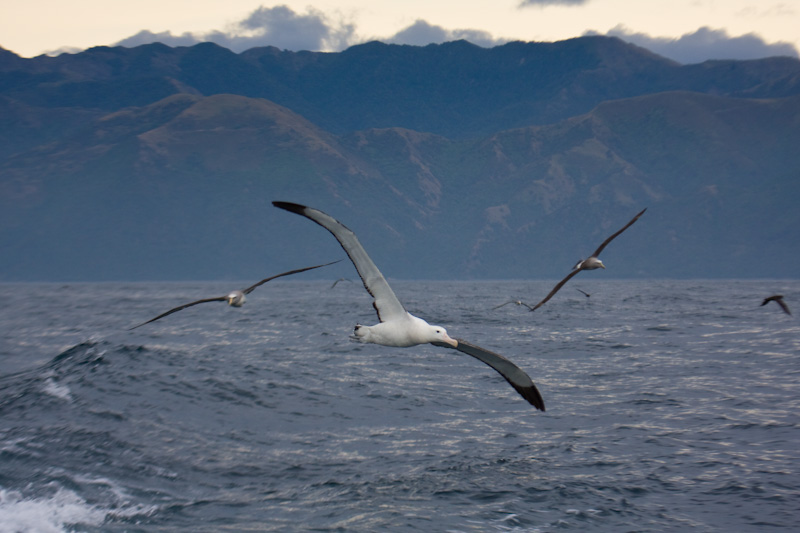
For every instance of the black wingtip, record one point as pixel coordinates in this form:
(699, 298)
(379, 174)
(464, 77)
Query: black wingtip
(533, 396)
(289, 206)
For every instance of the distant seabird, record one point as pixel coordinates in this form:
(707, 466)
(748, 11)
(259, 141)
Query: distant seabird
(584, 292)
(397, 326)
(516, 302)
(340, 279)
(777, 298)
(588, 264)
(234, 298)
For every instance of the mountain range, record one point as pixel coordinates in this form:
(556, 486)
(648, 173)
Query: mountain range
(449, 161)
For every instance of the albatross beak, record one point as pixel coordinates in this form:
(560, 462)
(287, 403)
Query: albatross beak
(451, 341)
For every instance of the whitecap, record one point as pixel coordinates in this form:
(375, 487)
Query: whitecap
(57, 513)
(56, 389)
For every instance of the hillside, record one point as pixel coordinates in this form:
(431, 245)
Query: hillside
(158, 163)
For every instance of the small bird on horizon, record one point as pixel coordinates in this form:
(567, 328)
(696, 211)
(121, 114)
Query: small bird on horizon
(340, 279)
(516, 302)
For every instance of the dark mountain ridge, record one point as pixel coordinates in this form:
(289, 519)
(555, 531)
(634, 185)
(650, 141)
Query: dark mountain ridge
(455, 89)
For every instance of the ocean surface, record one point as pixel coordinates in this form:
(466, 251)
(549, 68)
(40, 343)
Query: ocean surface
(671, 406)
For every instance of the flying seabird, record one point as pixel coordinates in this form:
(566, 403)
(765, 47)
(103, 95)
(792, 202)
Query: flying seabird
(584, 292)
(588, 264)
(777, 298)
(340, 279)
(516, 302)
(398, 327)
(234, 298)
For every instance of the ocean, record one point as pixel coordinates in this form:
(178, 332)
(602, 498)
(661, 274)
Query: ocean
(671, 406)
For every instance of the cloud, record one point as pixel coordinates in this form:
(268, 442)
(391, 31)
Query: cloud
(421, 33)
(146, 37)
(277, 26)
(313, 30)
(704, 44)
(283, 28)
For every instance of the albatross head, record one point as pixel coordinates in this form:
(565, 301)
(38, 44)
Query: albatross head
(236, 299)
(439, 334)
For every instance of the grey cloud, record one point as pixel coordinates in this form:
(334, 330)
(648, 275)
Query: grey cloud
(281, 27)
(422, 33)
(704, 44)
(312, 31)
(278, 26)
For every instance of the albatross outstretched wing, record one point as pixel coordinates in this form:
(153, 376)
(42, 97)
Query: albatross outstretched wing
(626, 226)
(249, 289)
(515, 376)
(184, 306)
(555, 289)
(385, 302)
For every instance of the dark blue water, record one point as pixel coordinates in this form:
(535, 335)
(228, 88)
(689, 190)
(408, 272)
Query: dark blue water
(671, 406)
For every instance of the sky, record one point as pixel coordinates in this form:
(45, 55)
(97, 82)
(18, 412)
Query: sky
(688, 31)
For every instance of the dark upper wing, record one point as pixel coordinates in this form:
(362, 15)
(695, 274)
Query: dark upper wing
(249, 289)
(385, 302)
(783, 306)
(555, 289)
(626, 226)
(515, 376)
(184, 306)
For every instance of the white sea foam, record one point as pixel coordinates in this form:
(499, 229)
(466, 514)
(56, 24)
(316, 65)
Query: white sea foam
(56, 389)
(58, 512)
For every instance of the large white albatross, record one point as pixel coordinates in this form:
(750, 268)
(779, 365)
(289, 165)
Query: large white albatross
(234, 298)
(590, 263)
(398, 327)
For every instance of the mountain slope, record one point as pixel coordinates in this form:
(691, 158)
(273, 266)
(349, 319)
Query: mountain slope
(182, 189)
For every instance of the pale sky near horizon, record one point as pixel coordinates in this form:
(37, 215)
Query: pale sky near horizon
(719, 27)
